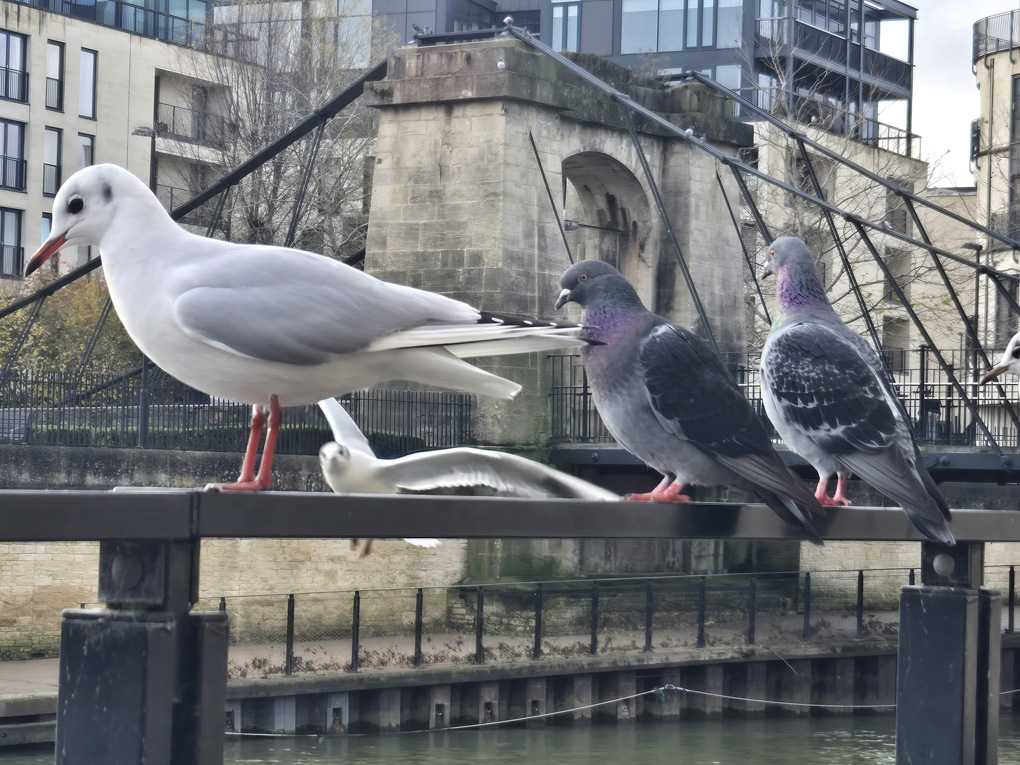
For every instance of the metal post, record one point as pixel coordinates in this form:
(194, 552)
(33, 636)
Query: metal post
(807, 606)
(649, 611)
(1012, 598)
(752, 609)
(860, 603)
(355, 630)
(223, 605)
(143, 405)
(480, 626)
(418, 601)
(701, 611)
(537, 651)
(594, 646)
(289, 669)
(910, 578)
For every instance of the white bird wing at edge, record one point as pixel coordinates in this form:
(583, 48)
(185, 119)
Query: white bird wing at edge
(510, 473)
(345, 430)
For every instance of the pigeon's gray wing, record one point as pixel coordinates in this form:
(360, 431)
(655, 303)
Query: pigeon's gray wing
(500, 471)
(294, 307)
(345, 429)
(693, 396)
(826, 387)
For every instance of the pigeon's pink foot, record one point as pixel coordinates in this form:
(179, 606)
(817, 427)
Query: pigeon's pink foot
(248, 481)
(839, 498)
(672, 492)
(832, 501)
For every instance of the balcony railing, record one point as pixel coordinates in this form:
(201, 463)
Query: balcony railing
(54, 94)
(1006, 222)
(131, 18)
(51, 179)
(191, 125)
(937, 414)
(995, 33)
(14, 84)
(12, 173)
(12, 261)
(837, 120)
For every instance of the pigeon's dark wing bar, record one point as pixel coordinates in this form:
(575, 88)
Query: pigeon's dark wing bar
(825, 387)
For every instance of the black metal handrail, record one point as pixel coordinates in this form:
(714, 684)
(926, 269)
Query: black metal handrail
(190, 124)
(13, 84)
(996, 33)
(12, 173)
(51, 179)
(54, 93)
(12, 260)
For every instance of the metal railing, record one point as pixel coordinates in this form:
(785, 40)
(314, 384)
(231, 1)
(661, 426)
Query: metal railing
(351, 630)
(13, 84)
(51, 179)
(131, 18)
(995, 33)
(937, 414)
(109, 411)
(190, 124)
(54, 93)
(12, 173)
(173, 197)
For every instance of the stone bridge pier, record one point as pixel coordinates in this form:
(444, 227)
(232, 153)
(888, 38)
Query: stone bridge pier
(459, 205)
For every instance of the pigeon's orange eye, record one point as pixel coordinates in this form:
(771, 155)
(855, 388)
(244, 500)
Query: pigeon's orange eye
(772, 253)
(582, 278)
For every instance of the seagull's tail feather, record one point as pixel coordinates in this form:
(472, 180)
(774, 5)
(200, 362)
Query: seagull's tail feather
(908, 486)
(792, 513)
(436, 366)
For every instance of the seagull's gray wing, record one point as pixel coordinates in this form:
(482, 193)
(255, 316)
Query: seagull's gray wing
(345, 429)
(827, 387)
(294, 307)
(503, 472)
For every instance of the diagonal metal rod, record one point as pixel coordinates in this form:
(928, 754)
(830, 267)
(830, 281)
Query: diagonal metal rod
(745, 192)
(552, 201)
(743, 248)
(15, 350)
(313, 153)
(97, 331)
(668, 225)
(214, 222)
(971, 407)
(962, 312)
(855, 287)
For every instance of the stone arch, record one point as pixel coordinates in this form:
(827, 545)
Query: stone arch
(611, 206)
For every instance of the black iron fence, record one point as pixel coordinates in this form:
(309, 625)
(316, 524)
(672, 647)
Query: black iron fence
(159, 412)
(937, 413)
(352, 630)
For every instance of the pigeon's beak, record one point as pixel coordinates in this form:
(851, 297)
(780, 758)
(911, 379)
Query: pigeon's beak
(994, 372)
(563, 299)
(767, 271)
(45, 252)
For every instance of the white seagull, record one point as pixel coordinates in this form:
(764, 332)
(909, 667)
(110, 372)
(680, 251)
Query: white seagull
(1010, 361)
(272, 326)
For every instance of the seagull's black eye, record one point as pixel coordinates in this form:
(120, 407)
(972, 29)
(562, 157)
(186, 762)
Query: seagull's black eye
(1016, 352)
(75, 205)
(583, 277)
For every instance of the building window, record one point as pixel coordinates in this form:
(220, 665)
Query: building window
(728, 31)
(55, 76)
(648, 26)
(897, 261)
(12, 144)
(86, 146)
(897, 216)
(51, 161)
(45, 227)
(87, 85)
(13, 75)
(638, 26)
(12, 254)
(700, 24)
(566, 29)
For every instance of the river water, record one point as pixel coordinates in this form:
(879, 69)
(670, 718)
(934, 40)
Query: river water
(779, 741)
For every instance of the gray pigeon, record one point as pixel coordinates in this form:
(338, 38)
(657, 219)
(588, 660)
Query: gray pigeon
(830, 399)
(666, 397)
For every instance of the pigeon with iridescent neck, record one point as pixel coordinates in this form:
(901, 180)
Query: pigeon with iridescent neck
(830, 399)
(667, 398)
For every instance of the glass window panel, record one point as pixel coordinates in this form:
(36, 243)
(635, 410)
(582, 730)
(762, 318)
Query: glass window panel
(87, 85)
(671, 25)
(15, 55)
(728, 30)
(85, 150)
(54, 60)
(638, 30)
(557, 28)
(51, 146)
(573, 28)
(46, 227)
(708, 23)
(692, 24)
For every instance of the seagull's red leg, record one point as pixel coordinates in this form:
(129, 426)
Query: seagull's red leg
(839, 498)
(668, 490)
(248, 481)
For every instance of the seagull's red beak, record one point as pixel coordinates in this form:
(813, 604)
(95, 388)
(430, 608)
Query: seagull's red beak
(44, 253)
(992, 374)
